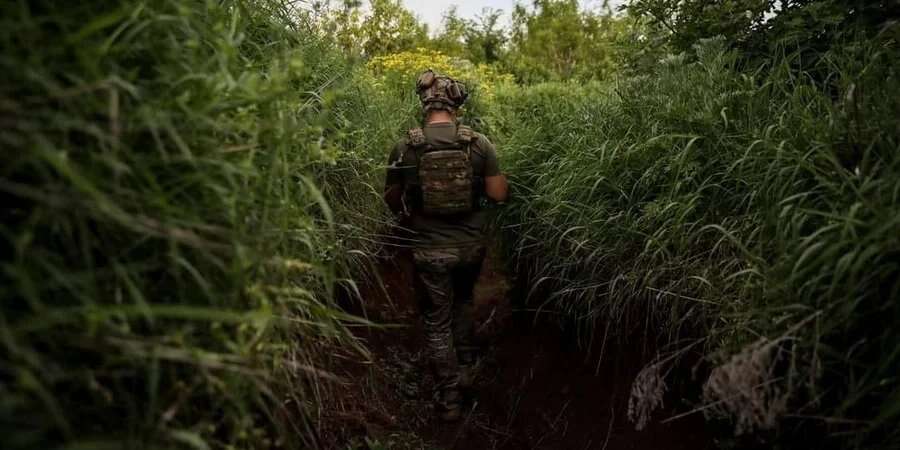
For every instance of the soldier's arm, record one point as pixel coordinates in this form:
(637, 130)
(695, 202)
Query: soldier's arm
(393, 183)
(495, 185)
(496, 188)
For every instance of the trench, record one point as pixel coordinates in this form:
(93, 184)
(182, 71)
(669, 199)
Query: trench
(536, 388)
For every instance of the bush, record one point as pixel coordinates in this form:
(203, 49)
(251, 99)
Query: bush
(395, 75)
(758, 209)
(183, 184)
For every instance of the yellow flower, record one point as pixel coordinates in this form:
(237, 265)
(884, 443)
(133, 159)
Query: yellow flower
(409, 64)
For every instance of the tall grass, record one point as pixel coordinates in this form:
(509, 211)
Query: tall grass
(750, 214)
(183, 184)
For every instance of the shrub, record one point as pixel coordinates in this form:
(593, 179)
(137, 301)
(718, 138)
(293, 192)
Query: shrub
(182, 186)
(733, 205)
(396, 73)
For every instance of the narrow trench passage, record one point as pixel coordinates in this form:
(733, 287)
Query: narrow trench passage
(535, 388)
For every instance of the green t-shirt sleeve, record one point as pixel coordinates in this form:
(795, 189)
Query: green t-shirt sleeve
(394, 175)
(491, 164)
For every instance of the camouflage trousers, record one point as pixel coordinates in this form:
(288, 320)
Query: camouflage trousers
(445, 281)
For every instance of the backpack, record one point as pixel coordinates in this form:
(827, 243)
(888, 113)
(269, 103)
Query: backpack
(445, 173)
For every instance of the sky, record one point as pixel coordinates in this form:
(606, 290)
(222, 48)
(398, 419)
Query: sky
(431, 11)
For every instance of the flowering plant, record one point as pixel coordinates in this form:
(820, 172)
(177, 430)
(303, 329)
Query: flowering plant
(403, 67)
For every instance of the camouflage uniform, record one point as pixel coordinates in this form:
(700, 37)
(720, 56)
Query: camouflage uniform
(448, 250)
(445, 279)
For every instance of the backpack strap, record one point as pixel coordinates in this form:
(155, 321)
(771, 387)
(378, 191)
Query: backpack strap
(415, 141)
(415, 137)
(464, 138)
(467, 138)
(464, 135)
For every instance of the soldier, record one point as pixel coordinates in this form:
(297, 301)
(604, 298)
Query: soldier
(441, 176)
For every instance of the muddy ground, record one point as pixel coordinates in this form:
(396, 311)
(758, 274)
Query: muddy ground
(536, 389)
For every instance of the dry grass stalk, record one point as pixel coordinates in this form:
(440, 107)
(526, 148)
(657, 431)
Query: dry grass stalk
(647, 393)
(747, 388)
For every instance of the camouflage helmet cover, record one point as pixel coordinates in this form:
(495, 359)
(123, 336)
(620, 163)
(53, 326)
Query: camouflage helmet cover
(440, 91)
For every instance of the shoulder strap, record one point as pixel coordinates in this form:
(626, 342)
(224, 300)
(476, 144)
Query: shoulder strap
(415, 137)
(464, 138)
(464, 134)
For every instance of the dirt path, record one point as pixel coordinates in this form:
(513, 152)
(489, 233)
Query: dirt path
(535, 388)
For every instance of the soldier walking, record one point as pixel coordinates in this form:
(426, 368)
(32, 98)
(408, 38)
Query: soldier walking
(441, 175)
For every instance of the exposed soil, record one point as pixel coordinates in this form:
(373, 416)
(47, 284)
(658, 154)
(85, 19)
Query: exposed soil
(535, 388)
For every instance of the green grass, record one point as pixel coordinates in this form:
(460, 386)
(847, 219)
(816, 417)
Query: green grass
(183, 186)
(698, 200)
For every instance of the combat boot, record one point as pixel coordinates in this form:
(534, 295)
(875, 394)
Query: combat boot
(466, 377)
(448, 405)
(468, 369)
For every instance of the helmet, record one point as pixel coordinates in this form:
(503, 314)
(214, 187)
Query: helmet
(440, 91)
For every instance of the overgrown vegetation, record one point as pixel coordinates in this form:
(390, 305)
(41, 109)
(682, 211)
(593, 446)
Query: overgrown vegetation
(185, 185)
(760, 209)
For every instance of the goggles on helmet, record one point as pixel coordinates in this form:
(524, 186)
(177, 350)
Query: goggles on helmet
(440, 92)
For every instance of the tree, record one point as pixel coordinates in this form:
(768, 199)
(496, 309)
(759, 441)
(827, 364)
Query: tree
(687, 21)
(452, 38)
(485, 38)
(388, 28)
(345, 24)
(479, 41)
(392, 28)
(759, 29)
(556, 40)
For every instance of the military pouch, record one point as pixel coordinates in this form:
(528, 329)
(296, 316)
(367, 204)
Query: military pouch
(446, 180)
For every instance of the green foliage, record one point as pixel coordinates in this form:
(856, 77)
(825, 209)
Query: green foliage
(480, 42)
(391, 28)
(689, 21)
(182, 186)
(452, 37)
(698, 197)
(552, 40)
(387, 28)
(556, 40)
(763, 30)
(394, 76)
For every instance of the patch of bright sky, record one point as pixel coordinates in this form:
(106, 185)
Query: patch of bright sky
(432, 11)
